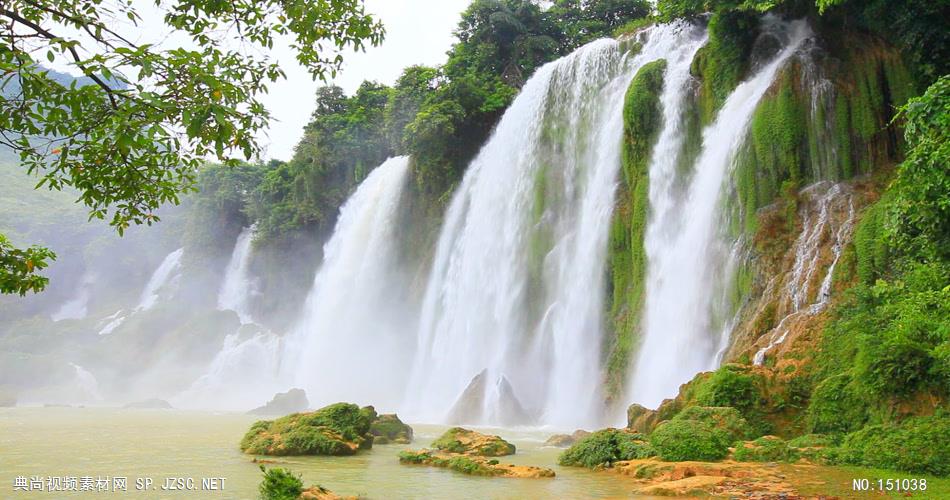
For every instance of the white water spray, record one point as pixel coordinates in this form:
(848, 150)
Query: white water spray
(78, 306)
(351, 342)
(684, 243)
(516, 288)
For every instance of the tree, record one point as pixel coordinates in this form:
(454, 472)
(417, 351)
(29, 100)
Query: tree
(131, 138)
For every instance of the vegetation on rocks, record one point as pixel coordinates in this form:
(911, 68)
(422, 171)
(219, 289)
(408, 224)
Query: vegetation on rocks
(604, 447)
(338, 429)
(280, 484)
(387, 428)
(472, 465)
(467, 442)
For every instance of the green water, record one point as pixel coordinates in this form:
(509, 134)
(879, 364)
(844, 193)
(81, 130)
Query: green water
(161, 444)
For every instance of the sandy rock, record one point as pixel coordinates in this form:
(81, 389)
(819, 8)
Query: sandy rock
(320, 493)
(566, 440)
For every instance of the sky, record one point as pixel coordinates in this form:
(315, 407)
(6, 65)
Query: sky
(417, 32)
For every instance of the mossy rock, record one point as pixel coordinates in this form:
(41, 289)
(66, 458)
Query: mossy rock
(388, 429)
(566, 440)
(699, 433)
(466, 442)
(765, 449)
(917, 445)
(472, 465)
(605, 447)
(338, 429)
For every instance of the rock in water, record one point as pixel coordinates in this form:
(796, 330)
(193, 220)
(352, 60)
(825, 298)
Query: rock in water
(292, 401)
(338, 429)
(474, 466)
(466, 442)
(388, 429)
(150, 404)
(566, 440)
(510, 412)
(502, 404)
(470, 405)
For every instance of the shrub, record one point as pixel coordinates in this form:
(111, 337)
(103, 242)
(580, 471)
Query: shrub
(835, 407)
(765, 449)
(280, 484)
(918, 445)
(729, 387)
(678, 440)
(724, 420)
(605, 447)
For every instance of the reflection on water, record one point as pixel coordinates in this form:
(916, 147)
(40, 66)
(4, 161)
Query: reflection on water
(159, 444)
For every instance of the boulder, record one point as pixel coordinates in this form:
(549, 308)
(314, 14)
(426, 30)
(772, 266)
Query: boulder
(641, 419)
(150, 404)
(465, 442)
(292, 401)
(338, 429)
(566, 440)
(499, 400)
(388, 429)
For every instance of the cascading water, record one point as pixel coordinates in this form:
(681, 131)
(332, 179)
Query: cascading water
(162, 276)
(78, 306)
(802, 294)
(685, 247)
(514, 303)
(238, 287)
(351, 342)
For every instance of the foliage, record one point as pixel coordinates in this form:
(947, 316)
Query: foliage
(728, 387)
(459, 440)
(18, 268)
(922, 209)
(765, 449)
(280, 484)
(604, 447)
(835, 407)
(723, 62)
(131, 133)
(216, 213)
(338, 429)
(681, 440)
(918, 444)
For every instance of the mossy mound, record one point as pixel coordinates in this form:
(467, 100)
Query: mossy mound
(765, 449)
(472, 465)
(699, 433)
(338, 429)
(605, 447)
(388, 429)
(918, 445)
(466, 442)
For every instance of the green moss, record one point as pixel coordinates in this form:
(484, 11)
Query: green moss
(605, 447)
(462, 464)
(642, 122)
(389, 429)
(871, 243)
(724, 61)
(835, 407)
(765, 449)
(338, 429)
(459, 440)
(919, 444)
(681, 440)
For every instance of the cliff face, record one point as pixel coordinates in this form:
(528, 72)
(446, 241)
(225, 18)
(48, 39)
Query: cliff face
(819, 147)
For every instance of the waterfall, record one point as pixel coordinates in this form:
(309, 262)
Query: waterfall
(78, 306)
(685, 247)
(237, 287)
(803, 295)
(243, 375)
(86, 382)
(514, 303)
(161, 277)
(351, 341)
